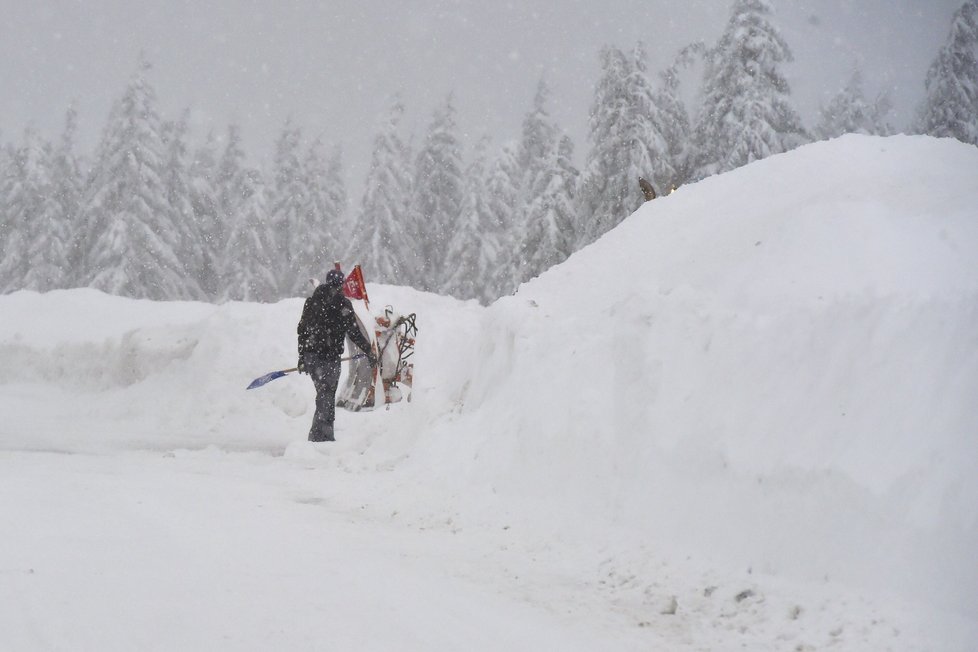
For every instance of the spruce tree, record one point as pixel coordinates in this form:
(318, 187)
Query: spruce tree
(177, 192)
(335, 204)
(315, 238)
(474, 247)
(539, 136)
(288, 202)
(848, 112)
(746, 114)
(6, 220)
(537, 144)
(602, 193)
(67, 190)
(550, 234)
(671, 119)
(437, 196)
(626, 143)
(659, 124)
(381, 241)
(951, 106)
(230, 181)
(502, 194)
(34, 256)
(210, 228)
(133, 245)
(247, 259)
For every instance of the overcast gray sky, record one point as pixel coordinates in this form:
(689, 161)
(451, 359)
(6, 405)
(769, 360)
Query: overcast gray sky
(333, 64)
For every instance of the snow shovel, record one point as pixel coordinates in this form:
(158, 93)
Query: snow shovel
(272, 375)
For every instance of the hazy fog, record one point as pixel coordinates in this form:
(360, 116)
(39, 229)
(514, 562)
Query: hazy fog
(332, 64)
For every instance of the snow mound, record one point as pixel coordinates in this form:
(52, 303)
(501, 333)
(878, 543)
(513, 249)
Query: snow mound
(777, 367)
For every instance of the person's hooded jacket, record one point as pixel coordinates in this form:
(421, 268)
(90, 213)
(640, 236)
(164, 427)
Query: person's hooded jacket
(327, 318)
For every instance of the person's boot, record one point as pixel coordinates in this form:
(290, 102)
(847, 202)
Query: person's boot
(320, 431)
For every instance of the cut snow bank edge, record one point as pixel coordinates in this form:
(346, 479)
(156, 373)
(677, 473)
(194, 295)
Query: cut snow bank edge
(777, 366)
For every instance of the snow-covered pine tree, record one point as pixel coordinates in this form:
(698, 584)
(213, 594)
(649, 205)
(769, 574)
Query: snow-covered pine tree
(177, 184)
(539, 137)
(249, 259)
(336, 204)
(212, 229)
(746, 114)
(67, 189)
(381, 241)
(951, 106)
(247, 262)
(474, 246)
(848, 112)
(315, 237)
(502, 193)
(247, 269)
(6, 222)
(671, 119)
(437, 196)
(603, 192)
(625, 143)
(551, 219)
(534, 157)
(659, 122)
(133, 245)
(287, 202)
(34, 254)
(230, 180)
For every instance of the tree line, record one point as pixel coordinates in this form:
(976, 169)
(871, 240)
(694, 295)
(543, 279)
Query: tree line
(150, 216)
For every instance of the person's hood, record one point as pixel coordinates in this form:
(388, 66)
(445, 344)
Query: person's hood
(324, 292)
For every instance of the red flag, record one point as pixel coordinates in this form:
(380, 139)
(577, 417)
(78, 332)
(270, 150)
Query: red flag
(354, 286)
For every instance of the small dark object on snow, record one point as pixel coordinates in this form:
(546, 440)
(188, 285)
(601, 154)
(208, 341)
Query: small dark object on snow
(743, 595)
(647, 189)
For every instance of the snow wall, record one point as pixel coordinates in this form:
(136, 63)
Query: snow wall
(777, 366)
(775, 369)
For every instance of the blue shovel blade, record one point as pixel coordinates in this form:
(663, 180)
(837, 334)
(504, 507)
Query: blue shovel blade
(267, 378)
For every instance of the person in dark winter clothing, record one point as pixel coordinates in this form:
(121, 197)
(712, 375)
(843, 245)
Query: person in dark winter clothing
(327, 318)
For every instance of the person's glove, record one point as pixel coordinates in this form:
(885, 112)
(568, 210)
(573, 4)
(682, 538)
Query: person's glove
(371, 359)
(301, 366)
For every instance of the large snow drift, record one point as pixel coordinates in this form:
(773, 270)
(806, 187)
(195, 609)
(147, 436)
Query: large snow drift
(771, 374)
(778, 365)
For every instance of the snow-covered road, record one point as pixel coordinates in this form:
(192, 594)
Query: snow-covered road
(250, 551)
(214, 551)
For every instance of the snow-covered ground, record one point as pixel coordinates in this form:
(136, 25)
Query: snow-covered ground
(747, 418)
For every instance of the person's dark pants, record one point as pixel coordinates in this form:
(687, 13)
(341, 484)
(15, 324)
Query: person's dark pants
(325, 374)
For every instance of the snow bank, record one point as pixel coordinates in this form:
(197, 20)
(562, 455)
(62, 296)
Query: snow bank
(777, 366)
(772, 371)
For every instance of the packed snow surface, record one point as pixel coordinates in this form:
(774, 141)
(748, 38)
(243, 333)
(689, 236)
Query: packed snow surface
(745, 418)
